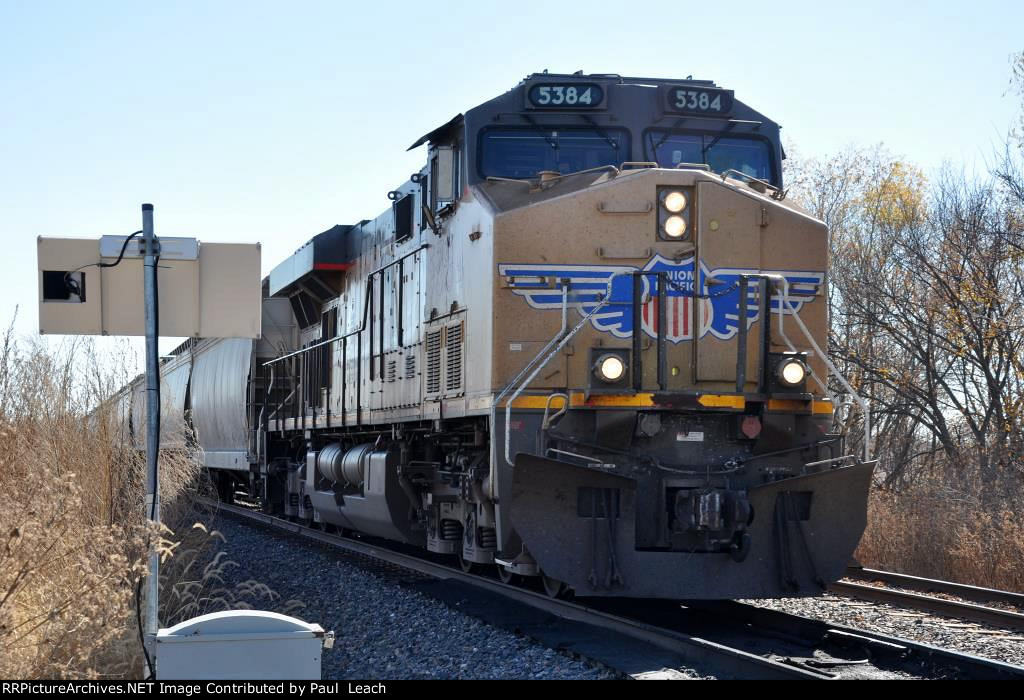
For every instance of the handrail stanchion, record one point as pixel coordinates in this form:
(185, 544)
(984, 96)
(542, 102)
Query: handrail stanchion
(662, 322)
(741, 339)
(765, 336)
(638, 369)
(864, 405)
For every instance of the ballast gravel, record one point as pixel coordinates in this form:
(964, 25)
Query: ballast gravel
(384, 630)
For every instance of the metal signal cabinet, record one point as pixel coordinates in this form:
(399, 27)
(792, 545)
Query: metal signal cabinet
(241, 645)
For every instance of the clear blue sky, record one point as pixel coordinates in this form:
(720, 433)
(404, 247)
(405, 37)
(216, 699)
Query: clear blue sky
(270, 122)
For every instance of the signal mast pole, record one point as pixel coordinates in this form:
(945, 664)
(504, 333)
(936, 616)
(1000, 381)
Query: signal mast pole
(150, 251)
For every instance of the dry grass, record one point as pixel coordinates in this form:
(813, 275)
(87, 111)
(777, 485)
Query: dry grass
(194, 581)
(70, 518)
(73, 539)
(939, 526)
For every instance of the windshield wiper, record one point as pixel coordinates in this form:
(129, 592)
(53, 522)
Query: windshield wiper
(530, 120)
(716, 139)
(732, 123)
(664, 137)
(600, 132)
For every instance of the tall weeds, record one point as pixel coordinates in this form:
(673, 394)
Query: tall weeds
(72, 534)
(946, 526)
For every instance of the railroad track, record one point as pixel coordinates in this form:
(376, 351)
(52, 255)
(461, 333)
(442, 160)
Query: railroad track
(917, 598)
(722, 638)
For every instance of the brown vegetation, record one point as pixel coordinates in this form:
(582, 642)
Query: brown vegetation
(73, 539)
(72, 542)
(938, 528)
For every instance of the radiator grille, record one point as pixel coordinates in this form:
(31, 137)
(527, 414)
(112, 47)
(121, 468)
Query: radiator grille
(453, 352)
(434, 361)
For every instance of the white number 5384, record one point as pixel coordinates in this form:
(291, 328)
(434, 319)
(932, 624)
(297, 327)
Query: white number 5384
(698, 100)
(563, 95)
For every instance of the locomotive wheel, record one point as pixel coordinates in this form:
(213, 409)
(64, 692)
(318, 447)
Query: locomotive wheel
(467, 566)
(552, 586)
(507, 576)
(225, 488)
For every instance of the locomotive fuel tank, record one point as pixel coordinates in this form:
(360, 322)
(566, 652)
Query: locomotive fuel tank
(360, 488)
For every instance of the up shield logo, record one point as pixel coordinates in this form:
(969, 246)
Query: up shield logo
(717, 295)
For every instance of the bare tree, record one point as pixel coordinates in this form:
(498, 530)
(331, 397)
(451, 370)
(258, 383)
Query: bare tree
(925, 307)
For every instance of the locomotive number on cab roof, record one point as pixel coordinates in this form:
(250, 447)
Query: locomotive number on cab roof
(578, 95)
(700, 100)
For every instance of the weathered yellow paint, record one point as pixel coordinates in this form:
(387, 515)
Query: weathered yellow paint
(787, 405)
(722, 401)
(578, 399)
(540, 402)
(800, 406)
(642, 400)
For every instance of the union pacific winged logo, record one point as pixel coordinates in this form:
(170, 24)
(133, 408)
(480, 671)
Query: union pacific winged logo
(718, 298)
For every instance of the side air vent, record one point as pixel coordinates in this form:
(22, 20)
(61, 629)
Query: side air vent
(453, 358)
(392, 371)
(410, 366)
(434, 361)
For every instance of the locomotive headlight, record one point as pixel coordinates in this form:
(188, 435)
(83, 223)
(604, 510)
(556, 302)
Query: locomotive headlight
(675, 226)
(792, 372)
(675, 202)
(610, 368)
(675, 207)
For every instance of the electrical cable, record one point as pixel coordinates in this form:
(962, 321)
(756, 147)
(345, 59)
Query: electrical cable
(156, 465)
(152, 506)
(138, 620)
(120, 255)
(72, 285)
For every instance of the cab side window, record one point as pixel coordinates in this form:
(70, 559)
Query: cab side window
(404, 219)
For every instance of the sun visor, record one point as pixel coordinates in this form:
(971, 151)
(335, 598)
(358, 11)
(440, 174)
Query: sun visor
(436, 134)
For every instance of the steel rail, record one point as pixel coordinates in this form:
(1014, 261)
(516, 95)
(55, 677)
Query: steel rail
(694, 650)
(977, 594)
(958, 609)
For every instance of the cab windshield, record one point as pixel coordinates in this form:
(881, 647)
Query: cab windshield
(751, 156)
(522, 152)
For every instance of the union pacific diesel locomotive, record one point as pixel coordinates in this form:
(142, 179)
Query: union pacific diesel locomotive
(586, 343)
